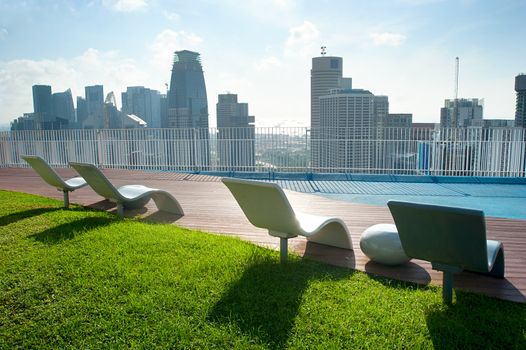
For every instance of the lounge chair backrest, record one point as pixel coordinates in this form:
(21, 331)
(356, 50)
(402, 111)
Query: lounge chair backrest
(445, 235)
(264, 204)
(45, 171)
(96, 179)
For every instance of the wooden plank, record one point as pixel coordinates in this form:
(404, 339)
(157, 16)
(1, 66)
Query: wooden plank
(210, 207)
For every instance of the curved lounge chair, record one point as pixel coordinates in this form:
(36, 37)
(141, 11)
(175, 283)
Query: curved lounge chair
(52, 178)
(129, 196)
(452, 239)
(266, 206)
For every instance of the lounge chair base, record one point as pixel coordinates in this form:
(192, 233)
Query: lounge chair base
(283, 249)
(66, 199)
(129, 196)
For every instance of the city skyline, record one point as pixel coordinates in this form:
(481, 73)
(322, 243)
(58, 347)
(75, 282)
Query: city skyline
(404, 49)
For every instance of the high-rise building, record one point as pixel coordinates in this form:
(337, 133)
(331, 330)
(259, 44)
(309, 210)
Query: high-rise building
(82, 111)
(95, 104)
(326, 74)
(163, 102)
(63, 108)
(399, 120)
(26, 122)
(43, 107)
(468, 111)
(188, 109)
(381, 110)
(236, 134)
(520, 106)
(144, 103)
(187, 103)
(346, 124)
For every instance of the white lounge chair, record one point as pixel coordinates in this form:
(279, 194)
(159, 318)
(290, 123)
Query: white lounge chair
(266, 206)
(129, 196)
(50, 176)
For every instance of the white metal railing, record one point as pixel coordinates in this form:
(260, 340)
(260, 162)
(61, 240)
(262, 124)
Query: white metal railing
(413, 151)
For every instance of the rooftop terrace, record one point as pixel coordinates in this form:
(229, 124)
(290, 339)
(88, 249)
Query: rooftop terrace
(209, 206)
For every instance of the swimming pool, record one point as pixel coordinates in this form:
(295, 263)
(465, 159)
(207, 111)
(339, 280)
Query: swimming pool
(498, 200)
(503, 197)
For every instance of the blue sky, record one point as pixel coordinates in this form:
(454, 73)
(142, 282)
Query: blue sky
(262, 50)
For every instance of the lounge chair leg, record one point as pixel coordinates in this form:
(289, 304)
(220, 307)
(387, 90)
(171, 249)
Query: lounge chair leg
(120, 210)
(283, 249)
(447, 287)
(66, 199)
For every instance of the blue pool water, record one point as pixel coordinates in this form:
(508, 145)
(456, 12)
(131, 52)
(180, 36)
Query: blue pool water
(503, 197)
(498, 200)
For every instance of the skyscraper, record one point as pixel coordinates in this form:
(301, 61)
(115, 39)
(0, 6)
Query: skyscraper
(520, 106)
(346, 121)
(95, 104)
(469, 113)
(188, 108)
(236, 138)
(326, 74)
(63, 108)
(43, 107)
(82, 111)
(144, 103)
(187, 103)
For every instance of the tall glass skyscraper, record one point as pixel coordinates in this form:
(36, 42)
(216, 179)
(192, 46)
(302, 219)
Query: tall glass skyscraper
(187, 103)
(188, 112)
(63, 108)
(43, 106)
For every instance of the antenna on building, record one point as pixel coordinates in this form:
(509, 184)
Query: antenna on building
(166, 84)
(454, 119)
(323, 53)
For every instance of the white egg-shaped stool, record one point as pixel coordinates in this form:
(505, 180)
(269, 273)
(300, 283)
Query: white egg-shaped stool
(381, 244)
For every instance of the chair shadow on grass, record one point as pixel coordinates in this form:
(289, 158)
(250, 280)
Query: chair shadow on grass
(70, 230)
(265, 301)
(408, 272)
(21, 215)
(162, 217)
(473, 323)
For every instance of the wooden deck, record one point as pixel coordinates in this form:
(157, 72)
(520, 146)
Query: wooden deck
(209, 206)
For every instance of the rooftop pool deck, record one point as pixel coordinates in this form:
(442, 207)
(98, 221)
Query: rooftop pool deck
(503, 197)
(210, 207)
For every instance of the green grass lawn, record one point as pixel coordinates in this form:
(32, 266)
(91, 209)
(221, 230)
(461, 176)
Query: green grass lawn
(81, 278)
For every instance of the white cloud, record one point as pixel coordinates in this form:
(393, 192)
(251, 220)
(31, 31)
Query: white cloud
(303, 40)
(3, 33)
(172, 16)
(266, 63)
(167, 42)
(388, 39)
(125, 5)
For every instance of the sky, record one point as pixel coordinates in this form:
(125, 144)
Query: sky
(262, 50)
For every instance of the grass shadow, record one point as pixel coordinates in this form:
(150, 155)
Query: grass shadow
(162, 217)
(408, 272)
(265, 301)
(70, 230)
(330, 255)
(465, 324)
(21, 215)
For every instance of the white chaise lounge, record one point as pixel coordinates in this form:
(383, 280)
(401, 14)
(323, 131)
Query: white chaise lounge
(129, 196)
(50, 176)
(266, 206)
